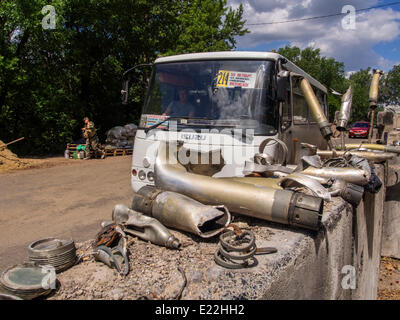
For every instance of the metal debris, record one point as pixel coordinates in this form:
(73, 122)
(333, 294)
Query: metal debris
(236, 251)
(144, 227)
(27, 281)
(178, 211)
(61, 254)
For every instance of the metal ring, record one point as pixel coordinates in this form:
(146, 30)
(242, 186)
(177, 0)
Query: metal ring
(281, 143)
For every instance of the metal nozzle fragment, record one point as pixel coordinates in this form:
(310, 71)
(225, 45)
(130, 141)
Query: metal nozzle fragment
(144, 227)
(351, 193)
(181, 212)
(305, 211)
(345, 109)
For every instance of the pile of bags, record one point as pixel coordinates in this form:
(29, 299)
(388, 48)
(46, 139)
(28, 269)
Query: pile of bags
(121, 137)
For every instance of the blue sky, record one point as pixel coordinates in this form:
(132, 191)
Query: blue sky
(374, 41)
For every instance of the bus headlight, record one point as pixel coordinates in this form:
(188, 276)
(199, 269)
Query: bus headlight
(142, 175)
(150, 176)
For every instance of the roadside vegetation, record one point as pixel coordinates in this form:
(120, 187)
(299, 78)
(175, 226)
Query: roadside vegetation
(51, 78)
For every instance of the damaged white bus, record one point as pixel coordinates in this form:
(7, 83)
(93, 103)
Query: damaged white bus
(225, 103)
(209, 118)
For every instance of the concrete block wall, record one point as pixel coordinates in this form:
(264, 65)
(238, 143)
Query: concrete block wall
(391, 224)
(367, 231)
(352, 238)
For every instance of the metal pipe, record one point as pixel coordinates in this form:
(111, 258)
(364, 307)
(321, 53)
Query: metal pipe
(374, 88)
(316, 110)
(265, 203)
(373, 146)
(181, 212)
(376, 157)
(345, 109)
(351, 175)
(344, 114)
(373, 98)
(144, 227)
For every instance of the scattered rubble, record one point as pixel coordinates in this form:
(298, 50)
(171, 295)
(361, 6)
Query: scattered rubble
(389, 279)
(153, 272)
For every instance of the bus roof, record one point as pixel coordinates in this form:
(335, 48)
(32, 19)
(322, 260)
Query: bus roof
(238, 55)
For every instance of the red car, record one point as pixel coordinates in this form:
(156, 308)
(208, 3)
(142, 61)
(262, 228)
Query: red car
(359, 129)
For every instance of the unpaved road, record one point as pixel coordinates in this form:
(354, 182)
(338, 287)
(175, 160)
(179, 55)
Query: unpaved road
(68, 200)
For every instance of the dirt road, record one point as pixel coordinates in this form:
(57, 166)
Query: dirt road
(68, 200)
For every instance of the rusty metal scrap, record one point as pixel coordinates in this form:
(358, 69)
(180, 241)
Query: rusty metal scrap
(108, 236)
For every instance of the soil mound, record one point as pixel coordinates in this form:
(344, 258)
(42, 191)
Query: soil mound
(9, 160)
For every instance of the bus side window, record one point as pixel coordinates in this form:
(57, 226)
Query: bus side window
(287, 109)
(300, 106)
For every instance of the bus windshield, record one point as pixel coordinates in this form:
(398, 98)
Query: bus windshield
(232, 93)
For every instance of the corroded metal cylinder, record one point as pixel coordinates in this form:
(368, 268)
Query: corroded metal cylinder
(181, 212)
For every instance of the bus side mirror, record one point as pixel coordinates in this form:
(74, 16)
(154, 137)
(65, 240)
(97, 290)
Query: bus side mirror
(125, 91)
(282, 86)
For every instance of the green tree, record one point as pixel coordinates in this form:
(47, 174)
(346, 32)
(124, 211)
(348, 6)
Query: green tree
(50, 79)
(391, 87)
(361, 82)
(207, 25)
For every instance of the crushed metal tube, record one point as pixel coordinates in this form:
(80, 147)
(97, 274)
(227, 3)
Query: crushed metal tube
(144, 227)
(282, 206)
(376, 157)
(178, 211)
(372, 146)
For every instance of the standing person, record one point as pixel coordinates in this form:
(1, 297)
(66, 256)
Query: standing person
(92, 146)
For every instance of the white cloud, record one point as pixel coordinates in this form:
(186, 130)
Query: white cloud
(353, 47)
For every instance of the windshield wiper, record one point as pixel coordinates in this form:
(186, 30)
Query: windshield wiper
(163, 121)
